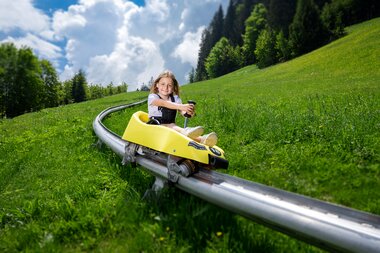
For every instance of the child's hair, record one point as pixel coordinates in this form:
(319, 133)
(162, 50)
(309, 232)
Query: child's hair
(166, 73)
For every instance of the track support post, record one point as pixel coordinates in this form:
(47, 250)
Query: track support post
(157, 187)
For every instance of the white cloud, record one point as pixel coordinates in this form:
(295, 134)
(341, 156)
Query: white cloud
(63, 22)
(135, 60)
(20, 14)
(32, 27)
(114, 40)
(90, 30)
(187, 51)
(42, 47)
(67, 73)
(159, 9)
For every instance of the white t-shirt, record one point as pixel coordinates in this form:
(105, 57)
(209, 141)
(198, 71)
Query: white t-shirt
(153, 110)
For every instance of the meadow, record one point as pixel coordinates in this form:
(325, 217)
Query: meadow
(310, 126)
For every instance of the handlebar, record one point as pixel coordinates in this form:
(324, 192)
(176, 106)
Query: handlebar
(189, 102)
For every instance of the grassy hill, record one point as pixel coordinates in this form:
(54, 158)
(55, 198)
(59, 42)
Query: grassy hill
(310, 125)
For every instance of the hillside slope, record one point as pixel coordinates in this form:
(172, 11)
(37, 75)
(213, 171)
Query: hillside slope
(350, 62)
(310, 125)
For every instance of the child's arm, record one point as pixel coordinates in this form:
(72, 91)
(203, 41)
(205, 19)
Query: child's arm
(184, 108)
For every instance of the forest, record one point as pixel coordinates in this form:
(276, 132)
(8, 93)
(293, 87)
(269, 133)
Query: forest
(30, 84)
(266, 32)
(261, 32)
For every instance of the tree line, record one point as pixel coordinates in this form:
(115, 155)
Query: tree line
(266, 32)
(29, 84)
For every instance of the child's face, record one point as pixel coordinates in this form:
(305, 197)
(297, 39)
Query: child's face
(165, 86)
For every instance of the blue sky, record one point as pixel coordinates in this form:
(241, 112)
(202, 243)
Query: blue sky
(49, 6)
(111, 40)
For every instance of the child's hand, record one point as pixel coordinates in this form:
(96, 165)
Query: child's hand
(189, 109)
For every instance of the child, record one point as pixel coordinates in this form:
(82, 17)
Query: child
(164, 102)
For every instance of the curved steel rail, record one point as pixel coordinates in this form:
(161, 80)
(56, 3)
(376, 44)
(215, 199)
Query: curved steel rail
(326, 225)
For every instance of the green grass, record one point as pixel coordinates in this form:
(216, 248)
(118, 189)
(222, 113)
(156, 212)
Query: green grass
(310, 126)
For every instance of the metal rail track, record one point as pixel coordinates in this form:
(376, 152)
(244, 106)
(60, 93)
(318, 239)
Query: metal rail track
(325, 225)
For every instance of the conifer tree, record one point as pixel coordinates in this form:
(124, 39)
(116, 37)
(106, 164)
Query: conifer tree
(209, 37)
(124, 87)
(243, 10)
(204, 50)
(192, 75)
(110, 87)
(306, 32)
(280, 14)
(79, 87)
(229, 29)
(216, 26)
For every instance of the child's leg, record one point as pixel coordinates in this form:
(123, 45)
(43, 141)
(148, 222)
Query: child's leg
(175, 127)
(195, 133)
(191, 132)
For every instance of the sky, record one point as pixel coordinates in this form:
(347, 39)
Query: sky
(111, 40)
